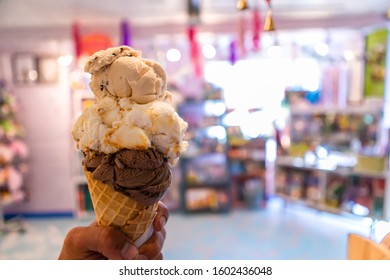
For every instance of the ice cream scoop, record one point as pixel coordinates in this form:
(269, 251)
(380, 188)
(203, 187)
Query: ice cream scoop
(143, 176)
(128, 75)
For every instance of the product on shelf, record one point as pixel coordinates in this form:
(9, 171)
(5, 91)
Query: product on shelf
(13, 152)
(247, 163)
(351, 130)
(344, 147)
(130, 138)
(365, 197)
(207, 198)
(339, 191)
(335, 191)
(205, 184)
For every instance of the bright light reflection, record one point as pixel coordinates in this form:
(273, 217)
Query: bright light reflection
(321, 49)
(251, 124)
(218, 132)
(209, 51)
(65, 60)
(321, 152)
(349, 55)
(305, 73)
(173, 55)
(32, 75)
(213, 108)
(360, 210)
(275, 51)
(250, 84)
(271, 148)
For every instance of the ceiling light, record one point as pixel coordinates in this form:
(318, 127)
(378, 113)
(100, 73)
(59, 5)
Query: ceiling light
(209, 51)
(65, 60)
(349, 55)
(275, 51)
(321, 49)
(173, 55)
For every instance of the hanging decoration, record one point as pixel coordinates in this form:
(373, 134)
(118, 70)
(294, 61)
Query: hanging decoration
(256, 21)
(242, 5)
(269, 21)
(92, 43)
(242, 26)
(125, 32)
(76, 39)
(86, 45)
(194, 50)
(233, 52)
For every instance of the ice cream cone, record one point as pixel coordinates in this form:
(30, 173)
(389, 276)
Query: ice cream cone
(130, 138)
(115, 209)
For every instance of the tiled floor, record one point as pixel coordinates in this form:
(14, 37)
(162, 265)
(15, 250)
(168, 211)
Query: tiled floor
(273, 233)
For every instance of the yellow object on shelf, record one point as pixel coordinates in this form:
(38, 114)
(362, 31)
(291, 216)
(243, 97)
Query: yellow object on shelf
(370, 163)
(298, 150)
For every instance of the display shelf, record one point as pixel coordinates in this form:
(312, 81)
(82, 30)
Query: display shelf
(248, 168)
(14, 155)
(340, 191)
(334, 160)
(305, 203)
(351, 129)
(205, 184)
(207, 199)
(320, 109)
(205, 179)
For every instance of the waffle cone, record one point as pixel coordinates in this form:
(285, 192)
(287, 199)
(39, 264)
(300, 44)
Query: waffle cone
(115, 209)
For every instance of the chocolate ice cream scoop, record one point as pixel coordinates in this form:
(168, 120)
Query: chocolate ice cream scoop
(144, 176)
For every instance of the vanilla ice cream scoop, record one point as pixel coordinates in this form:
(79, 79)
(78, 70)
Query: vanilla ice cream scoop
(128, 75)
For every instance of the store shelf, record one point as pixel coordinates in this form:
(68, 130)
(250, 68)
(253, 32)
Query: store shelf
(319, 109)
(205, 184)
(14, 156)
(296, 162)
(333, 157)
(248, 168)
(301, 202)
(343, 191)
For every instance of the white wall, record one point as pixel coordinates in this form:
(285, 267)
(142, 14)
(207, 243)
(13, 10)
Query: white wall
(44, 110)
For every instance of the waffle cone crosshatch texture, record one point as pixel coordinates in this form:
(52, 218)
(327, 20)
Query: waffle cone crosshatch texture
(115, 209)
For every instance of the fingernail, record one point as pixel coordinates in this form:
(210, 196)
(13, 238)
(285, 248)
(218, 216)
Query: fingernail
(163, 221)
(129, 252)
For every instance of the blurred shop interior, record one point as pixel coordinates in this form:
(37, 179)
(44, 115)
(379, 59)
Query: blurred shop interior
(287, 104)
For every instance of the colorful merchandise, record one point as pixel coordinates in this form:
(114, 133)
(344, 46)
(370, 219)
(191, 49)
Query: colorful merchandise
(13, 152)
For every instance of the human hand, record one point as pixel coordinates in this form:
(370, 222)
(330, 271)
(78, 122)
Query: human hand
(95, 242)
